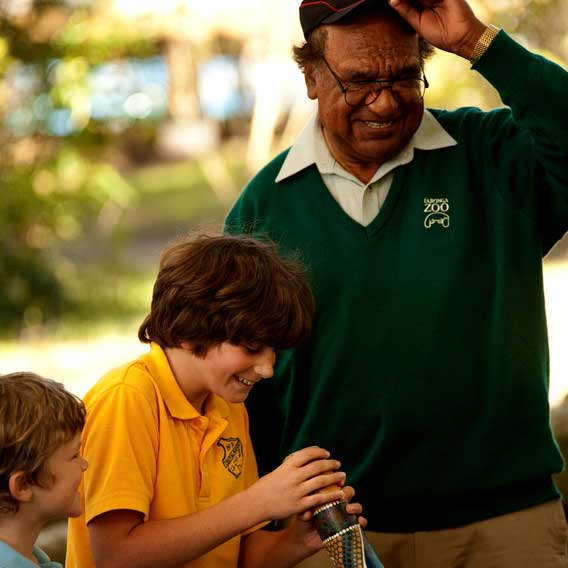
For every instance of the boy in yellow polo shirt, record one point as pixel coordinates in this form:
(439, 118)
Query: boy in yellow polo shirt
(172, 479)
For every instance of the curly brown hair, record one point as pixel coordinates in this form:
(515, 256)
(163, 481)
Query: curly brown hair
(212, 289)
(37, 416)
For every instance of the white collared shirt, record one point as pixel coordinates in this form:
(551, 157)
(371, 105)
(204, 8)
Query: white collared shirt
(360, 201)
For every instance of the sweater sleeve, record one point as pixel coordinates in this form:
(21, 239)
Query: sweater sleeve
(536, 137)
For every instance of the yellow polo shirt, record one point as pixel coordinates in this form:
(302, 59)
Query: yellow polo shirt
(149, 450)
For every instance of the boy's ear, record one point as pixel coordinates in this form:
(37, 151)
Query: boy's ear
(20, 487)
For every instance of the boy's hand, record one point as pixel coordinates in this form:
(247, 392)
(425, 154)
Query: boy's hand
(293, 487)
(305, 530)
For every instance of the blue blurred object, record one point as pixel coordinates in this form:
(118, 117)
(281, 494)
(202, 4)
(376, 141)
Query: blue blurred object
(221, 92)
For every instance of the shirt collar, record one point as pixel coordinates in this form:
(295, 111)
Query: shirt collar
(174, 398)
(310, 147)
(14, 559)
(44, 560)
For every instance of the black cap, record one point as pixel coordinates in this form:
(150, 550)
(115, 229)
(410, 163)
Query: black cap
(314, 13)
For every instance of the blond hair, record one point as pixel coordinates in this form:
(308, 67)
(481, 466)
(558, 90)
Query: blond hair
(37, 415)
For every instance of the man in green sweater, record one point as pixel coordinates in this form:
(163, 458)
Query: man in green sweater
(423, 232)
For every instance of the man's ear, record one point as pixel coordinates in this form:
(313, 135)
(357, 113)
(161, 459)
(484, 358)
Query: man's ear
(311, 79)
(20, 487)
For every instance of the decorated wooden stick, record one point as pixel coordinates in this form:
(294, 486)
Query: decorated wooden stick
(344, 538)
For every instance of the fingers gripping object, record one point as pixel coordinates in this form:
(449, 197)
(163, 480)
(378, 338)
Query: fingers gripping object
(344, 538)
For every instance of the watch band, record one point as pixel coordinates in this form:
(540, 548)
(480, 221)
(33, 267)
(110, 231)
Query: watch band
(484, 42)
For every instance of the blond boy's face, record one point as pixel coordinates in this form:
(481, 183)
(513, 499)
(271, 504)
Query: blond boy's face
(58, 496)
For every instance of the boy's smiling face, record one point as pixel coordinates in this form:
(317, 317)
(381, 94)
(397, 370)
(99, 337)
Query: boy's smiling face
(227, 370)
(58, 497)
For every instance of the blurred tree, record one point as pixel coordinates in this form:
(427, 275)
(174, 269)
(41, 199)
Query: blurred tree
(55, 184)
(64, 65)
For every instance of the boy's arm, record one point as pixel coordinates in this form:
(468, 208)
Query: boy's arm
(121, 539)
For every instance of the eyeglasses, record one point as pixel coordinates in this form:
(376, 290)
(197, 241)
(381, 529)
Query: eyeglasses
(406, 90)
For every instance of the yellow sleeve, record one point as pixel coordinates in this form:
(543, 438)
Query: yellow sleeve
(120, 442)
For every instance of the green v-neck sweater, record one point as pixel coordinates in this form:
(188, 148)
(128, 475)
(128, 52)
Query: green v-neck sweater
(427, 371)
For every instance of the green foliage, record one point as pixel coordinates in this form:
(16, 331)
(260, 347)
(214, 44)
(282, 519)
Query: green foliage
(60, 199)
(89, 35)
(46, 209)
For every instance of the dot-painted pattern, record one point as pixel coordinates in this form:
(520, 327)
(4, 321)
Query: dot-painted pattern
(344, 538)
(346, 548)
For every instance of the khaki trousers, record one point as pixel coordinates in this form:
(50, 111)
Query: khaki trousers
(532, 538)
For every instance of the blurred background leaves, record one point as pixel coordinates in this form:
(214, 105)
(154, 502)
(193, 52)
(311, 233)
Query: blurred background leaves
(124, 124)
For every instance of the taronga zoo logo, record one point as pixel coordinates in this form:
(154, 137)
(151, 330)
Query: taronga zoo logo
(436, 212)
(232, 455)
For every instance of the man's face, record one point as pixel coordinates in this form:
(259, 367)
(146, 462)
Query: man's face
(377, 48)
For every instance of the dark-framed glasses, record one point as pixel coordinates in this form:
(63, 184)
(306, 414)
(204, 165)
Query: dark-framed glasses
(363, 93)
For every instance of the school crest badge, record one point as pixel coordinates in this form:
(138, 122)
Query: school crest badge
(232, 455)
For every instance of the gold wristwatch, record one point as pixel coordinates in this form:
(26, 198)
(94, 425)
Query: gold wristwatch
(483, 42)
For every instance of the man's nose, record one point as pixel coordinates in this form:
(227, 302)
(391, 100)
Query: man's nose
(386, 100)
(264, 365)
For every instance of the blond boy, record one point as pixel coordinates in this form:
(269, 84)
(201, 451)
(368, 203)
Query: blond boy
(40, 464)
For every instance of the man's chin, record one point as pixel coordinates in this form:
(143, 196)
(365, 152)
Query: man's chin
(379, 150)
